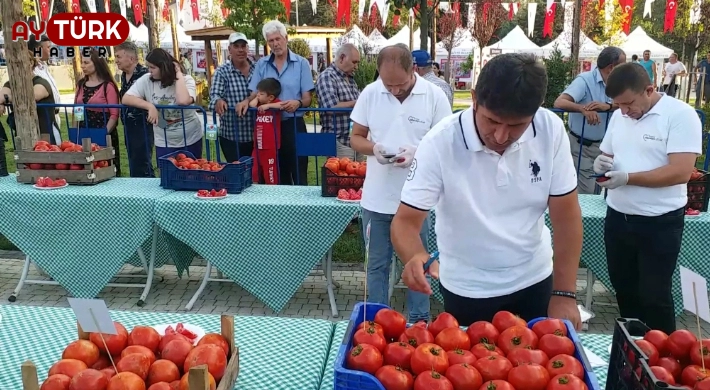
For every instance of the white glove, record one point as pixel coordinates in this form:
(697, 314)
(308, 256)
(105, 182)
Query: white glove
(404, 158)
(616, 179)
(603, 164)
(379, 151)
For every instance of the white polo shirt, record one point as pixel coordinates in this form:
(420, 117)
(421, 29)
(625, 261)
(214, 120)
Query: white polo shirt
(671, 126)
(395, 124)
(490, 208)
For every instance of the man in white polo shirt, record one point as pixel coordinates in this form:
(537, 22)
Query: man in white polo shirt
(396, 112)
(491, 172)
(649, 153)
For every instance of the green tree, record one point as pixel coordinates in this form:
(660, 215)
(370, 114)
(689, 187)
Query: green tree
(249, 16)
(490, 16)
(600, 30)
(300, 47)
(423, 11)
(559, 75)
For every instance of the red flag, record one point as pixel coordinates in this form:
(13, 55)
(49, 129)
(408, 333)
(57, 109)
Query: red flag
(584, 11)
(166, 10)
(182, 4)
(76, 6)
(456, 8)
(511, 11)
(671, 9)
(195, 10)
(287, 7)
(44, 9)
(348, 9)
(373, 13)
(144, 6)
(395, 19)
(627, 7)
(601, 4)
(549, 21)
(225, 13)
(137, 12)
(486, 7)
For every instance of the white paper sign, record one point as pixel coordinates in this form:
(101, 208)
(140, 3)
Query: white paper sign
(93, 315)
(594, 359)
(689, 278)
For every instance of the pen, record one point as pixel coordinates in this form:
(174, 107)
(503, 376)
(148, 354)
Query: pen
(433, 257)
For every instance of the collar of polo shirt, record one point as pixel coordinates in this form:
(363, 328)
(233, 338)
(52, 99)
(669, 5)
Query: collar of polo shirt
(419, 86)
(597, 74)
(474, 142)
(290, 55)
(657, 109)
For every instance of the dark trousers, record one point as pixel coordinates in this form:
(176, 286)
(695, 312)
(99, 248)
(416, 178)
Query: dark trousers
(641, 255)
(139, 145)
(233, 150)
(293, 170)
(528, 303)
(670, 90)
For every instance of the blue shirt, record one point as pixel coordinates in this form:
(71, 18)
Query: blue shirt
(588, 87)
(648, 65)
(295, 78)
(705, 65)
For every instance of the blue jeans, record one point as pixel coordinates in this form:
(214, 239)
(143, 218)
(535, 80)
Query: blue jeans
(380, 263)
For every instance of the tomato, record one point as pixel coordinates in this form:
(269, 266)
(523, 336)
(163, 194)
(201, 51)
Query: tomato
(529, 377)
(398, 354)
(526, 356)
(222, 192)
(115, 342)
(373, 324)
(671, 365)
(517, 337)
(364, 357)
(550, 326)
(393, 323)
(139, 349)
(443, 321)
(416, 335)
(680, 342)
(649, 350)
(496, 385)
(658, 339)
(458, 356)
(76, 167)
(332, 166)
(701, 353)
(162, 371)
(565, 364)
(482, 350)
(88, 379)
(554, 345)
(663, 375)
(452, 338)
(505, 319)
(566, 382)
(482, 332)
(463, 376)
(692, 374)
(394, 378)
(56, 382)
(211, 355)
(136, 363)
(216, 339)
(83, 350)
(429, 357)
(703, 385)
(432, 380)
(493, 367)
(370, 336)
(41, 148)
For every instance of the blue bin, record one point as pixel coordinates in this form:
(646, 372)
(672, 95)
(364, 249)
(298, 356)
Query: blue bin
(235, 178)
(98, 136)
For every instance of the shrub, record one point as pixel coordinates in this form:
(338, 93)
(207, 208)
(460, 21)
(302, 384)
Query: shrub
(300, 47)
(559, 75)
(365, 73)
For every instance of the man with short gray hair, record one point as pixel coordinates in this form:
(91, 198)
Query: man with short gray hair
(336, 88)
(423, 66)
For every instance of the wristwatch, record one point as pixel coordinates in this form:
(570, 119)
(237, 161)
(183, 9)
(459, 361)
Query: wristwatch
(300, 103)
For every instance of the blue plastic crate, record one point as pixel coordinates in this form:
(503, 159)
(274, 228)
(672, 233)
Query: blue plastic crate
(98, 136)
(235, 178)
(346, 379)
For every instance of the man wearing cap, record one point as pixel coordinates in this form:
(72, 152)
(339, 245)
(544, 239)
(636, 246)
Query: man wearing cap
(42, 69)
(230, 87)
(423, 66)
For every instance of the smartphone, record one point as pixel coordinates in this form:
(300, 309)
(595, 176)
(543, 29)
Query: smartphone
(388, 155)
(162, 123)
(597, 175)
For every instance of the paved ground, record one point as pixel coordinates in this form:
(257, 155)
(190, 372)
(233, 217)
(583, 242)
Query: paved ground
(311, 301)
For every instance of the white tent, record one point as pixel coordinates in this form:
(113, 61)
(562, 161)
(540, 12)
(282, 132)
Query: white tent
(402, 36)
(466, 45)
(515, 42)
(376, 37)
(354, 36)
(138, 34)
(588, 47)
(638, 41)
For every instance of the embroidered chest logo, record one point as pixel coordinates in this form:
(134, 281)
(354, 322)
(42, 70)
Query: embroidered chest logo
(412, 170)
(534, 172)
(412, 119)
(649, 137)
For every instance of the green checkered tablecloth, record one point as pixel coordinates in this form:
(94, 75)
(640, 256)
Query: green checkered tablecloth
(599, 345)
(81, 235)
(283, 353)
(328, 374)
(266, 239)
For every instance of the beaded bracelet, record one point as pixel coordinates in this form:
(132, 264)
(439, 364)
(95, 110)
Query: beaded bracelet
(566, 294)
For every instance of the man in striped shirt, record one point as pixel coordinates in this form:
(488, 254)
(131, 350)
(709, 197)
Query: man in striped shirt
(423, 66)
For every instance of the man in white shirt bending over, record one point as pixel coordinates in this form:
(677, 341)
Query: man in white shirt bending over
(491, 172)
(396, 112)
(649, 153)
(673, 68)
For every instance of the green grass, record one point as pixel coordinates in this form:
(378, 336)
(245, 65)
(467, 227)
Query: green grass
(466, 95)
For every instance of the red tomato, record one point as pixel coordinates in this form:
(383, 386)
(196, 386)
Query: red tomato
(496, 385)
(211, 355)
(526, 356)
(416, 335)
(458, 356)
(432, 380)
(658, 339)
(60, 182)
(482, 332)
(373, 324)
(88, 379)
(649, 350)
(679, 344)
(692, 374)
(443, 321)
(566, 382)
(464, 376)
(517, 337)
(701, 353)
(370, 336)
(493, 367)
(394, 378)
(703, 385)
(429, 357)
(565, 364)
(452, 338)
(550, 326)
(393, 323)
(672, 366)
(364, 357)
(663, 375)
(482, 350)
(554, 345)
(505, 319)
(529, 377)
(398, 354)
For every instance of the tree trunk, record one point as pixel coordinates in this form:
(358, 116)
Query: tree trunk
(576, 29)
(423, 24)
(153, 33)
(18, 70)
(447, 73)
(432, 49)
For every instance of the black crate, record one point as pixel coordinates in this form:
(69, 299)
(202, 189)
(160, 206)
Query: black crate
(699, 192)
(331, 182)
(628, 365)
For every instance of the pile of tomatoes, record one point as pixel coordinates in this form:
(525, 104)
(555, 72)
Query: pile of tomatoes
(145, 360)
(48, 182)
(181, 161)
(678, 358)
(344, 173)
(66, 147)
(502, 355)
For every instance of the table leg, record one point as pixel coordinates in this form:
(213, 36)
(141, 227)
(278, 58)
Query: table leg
(590, 290)
(392, 282)
(21, 283)
(329, 282)
(205, 280)
(151, 265)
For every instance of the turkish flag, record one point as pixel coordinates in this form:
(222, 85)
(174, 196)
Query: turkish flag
(486, 7)
(166, 10)
(671, 9)
(395, 19)
(44, 9)
(549, 21)
(195, 10)
(137, 13)
(287, 7)
(144, 6)
(76, 6)
(627, 7)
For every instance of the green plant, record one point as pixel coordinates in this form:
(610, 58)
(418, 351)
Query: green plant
(467, 65)
(300, 47)
(559, 75)
(365, 72)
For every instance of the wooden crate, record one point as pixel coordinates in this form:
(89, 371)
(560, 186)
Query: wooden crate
(198, 379)
(87, 176)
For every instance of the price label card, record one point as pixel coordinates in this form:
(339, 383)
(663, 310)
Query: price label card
(79, 113)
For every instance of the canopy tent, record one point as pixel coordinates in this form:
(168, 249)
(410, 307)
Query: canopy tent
(138, 34)
(402, 36)
(514, 42)
(317, 45)
(588, 47)
(638, 41)
(184, 40)
(376, 37)
(467, 45)
(354, 36)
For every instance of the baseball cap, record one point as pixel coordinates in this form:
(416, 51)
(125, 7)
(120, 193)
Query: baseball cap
(234, 37)
(421, 58)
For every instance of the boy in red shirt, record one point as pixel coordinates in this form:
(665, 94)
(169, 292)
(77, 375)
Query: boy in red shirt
(267, 132)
